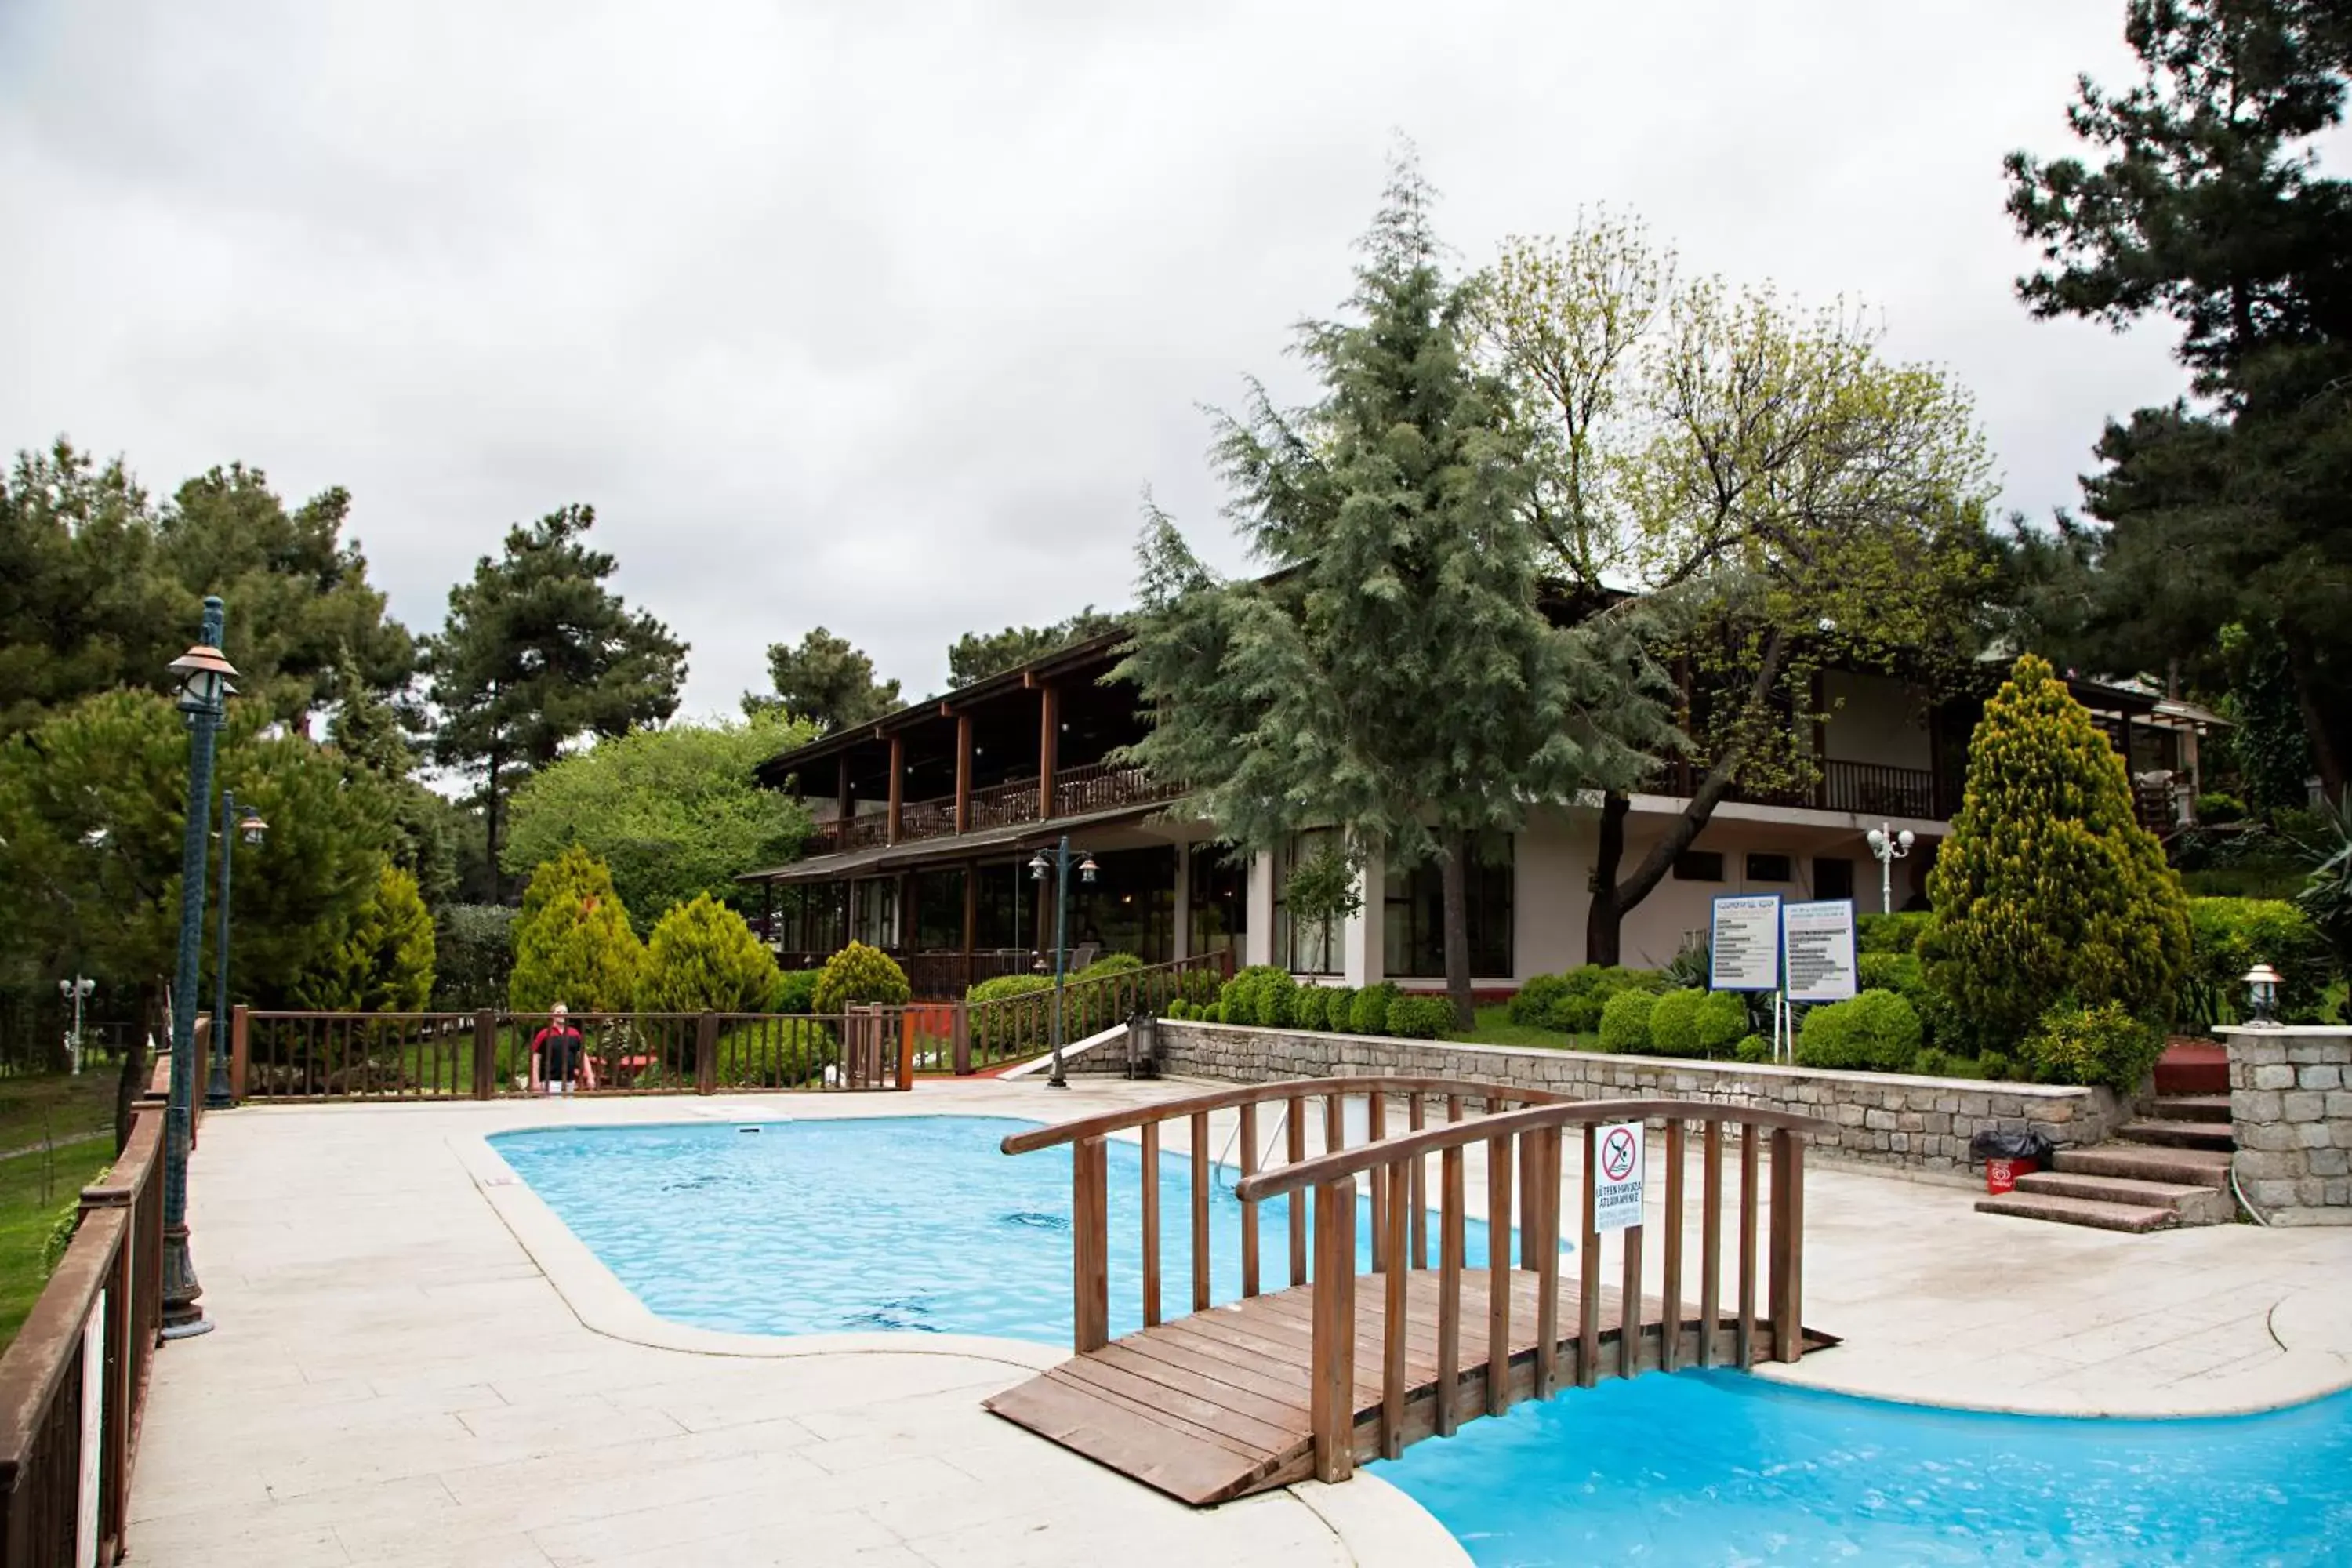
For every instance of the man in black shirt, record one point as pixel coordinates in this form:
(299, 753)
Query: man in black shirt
(556, 1052)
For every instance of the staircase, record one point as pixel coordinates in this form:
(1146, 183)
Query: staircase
(2171, 1169)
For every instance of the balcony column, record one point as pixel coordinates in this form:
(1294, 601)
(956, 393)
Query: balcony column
(842, 804)
(1183, 949)
(1258, 940)
(1049, 735)
(897, 786)
(963, 785)
(1363, 950)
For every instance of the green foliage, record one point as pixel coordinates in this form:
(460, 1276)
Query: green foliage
(1310, 1008)
(1323, 889)
(2102, 1045)
(702, 958)
(1694, 1022)
(1532, 1004)
(473, 952)
(1340, 1008)
(1572, 1003)
(674, 812)
(1392, 676)
(1369, 1013)
(1889, 933)
(62, 1232)
(1108, 964)
(1259, 994)
(795, 991)
(1011, 1015)
(1875, 1031)
(2230, 936)
(572, 940)
(1625, 1022)
(2326, 895)
(383, 962)
(975, 656)
(824, 682)
(2219, 807)
(1933, 1063)
(859, 973)
(1419, 1018)
(1901, 972)
(1753, 1049)
(2048, 885)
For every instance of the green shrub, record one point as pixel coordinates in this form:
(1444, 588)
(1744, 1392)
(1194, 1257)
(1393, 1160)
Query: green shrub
(1721, 1019)
(1108, 964)
(1571, 1003)
(60, 1236)
(1900, 973)
(1369, 1014)
(1178, 1009)
(1531, 1007)
(473, 955)
(1339, 1008)
(1011, 1015)
(859, 973)
(2217, 806)
(1625, 1022)
(572, 940)
(1753, 1049)
(1417, 1018)
(1311, 1008)
(2228, 936)
(2102, 1045)
(1674, 1023)
(795, 991)
(1198, 987)
(1260, 995)
(770, 1052)
(1876, 1032)
(1933, 1063)
(2048, 886)
(702, 958)
(1889, 933)
(381, 960)
(1997, 1066)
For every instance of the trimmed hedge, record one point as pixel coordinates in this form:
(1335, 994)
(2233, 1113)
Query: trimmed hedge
(1572, 1003)
(1369, 1014)
(1877, 1031)
(1625, 1022)
(1416, 1017)
(859, 973)
(1340, 1008)
(795, 991)
(1697, 1022)
(1259, 994)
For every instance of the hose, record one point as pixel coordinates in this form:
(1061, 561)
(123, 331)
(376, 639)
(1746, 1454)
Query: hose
(2251, 1212)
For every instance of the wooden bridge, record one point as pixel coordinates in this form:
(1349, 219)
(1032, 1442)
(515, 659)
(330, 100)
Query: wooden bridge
(1338, 1368)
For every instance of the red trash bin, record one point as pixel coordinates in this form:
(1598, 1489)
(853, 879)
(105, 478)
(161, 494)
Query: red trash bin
(2000, 1175)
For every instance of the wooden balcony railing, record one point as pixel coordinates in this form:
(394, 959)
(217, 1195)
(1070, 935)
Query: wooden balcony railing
(1006, 805)
(932, 818)
(1106, 787)
(837, 836)
(1872, 790)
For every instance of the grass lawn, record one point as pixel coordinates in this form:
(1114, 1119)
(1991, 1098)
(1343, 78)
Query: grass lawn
(37, 1108)
(34, 1191)
(1494, 1028)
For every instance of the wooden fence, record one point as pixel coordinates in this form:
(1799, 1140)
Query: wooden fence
(74, 1380)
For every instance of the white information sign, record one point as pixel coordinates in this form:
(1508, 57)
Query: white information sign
(1617, 1176)
(1819, 940)
(1744, 944)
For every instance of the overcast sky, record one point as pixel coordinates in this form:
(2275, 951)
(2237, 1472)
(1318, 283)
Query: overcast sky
(881, 315)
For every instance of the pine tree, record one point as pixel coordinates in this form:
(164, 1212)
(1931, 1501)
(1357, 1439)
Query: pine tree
(382, 962)
(1393, 677)
(825, 681)
(702, 958)
(2048, 888)
(573, 942)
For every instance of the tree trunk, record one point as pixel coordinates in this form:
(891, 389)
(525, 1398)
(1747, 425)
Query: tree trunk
(490, 824)
(1604, 921)
(1454, 880)
(132, 1083)
(2324, 721)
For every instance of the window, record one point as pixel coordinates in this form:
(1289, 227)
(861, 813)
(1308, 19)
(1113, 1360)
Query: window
(1699, 865)
(1130, 906)
(875, 913)
(1413, 938)
(811, 918)
(1304, 949)
(939, 910)
(1832, 878)
(1770, 869)
(1219, 899)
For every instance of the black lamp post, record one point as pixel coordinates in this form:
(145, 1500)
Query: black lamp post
(1058, 859)
(204, 677)
(252, 829)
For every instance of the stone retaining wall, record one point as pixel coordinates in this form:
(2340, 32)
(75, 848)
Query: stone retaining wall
(1919, 1124)
(2291, 1107)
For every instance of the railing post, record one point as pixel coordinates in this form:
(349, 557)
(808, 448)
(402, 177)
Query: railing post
(1788, 1245)
(706, 1054)
(1332, 1379)
(240, 1048)
(1089, 1245)
(961, 1027)
(485, 1054)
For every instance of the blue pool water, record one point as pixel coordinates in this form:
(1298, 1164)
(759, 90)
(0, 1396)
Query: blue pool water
(912, 1223)
(919, 1223)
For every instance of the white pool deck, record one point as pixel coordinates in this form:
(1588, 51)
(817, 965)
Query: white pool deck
(415, 1362)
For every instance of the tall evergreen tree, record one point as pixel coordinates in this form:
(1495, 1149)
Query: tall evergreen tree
(538, 652)
(976, 655)
(825, 681)
(1394, 676)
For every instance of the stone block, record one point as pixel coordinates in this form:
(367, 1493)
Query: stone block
(2302, 1106)
(2275, 1076)
(2271, 1195)
(1910, 1121)
(2059, 1110)
(2254, 1105)
(1879, 1121)
(2339, 1194)
(2269, 1135)
(2255, 1164)
(2312, 1134)
(1900, 1142)
(1975, 1105)
(1938, 1122)
(2007, 1105)
(2320, 1075)
(2311, 1193)
(2328, 1162)
(2340, 1105)
(2301, 1051)
(2257, 1051)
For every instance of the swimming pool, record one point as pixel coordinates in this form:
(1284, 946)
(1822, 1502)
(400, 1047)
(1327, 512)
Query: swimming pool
(918, 1224)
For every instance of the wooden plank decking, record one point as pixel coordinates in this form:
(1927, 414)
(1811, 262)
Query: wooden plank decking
(1216, 1405)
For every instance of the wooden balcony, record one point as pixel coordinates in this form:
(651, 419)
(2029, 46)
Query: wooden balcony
(1007, 805)
(1077, 791)
(1865, 789)
(1107, 787)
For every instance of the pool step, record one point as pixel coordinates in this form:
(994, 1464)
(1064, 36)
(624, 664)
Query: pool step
(2190, 1203)
(2089, 1212)
(2180, 1134)
(2142, 1163)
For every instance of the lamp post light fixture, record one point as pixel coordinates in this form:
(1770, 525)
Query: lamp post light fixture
(253, 830)
(75, 991)
(1058, 861)
(205, 678)
(1889, 846)
(2261, 996)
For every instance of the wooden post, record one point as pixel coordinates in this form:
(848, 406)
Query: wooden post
(1089, 1245)
(1294, 1151)
(1587, 1305)
(897, 786)
(1788, 1245)
(1376, 1117)
(1049, 738)
(1498, 1276)
(1394, 1323)
(1331, 1412)
(1543, 1154)
(1710, 1242)
(1201, 1174)
(1747, 1197)
(1629, 1303)
(1150, 1223)
(1670, 1343)
(963, 791)
(961, 1025)
(906, 1050)
(1450, 1231)
(240, 1047)
(1249, 1211)
(485, 1054)
(843, 804)
(706, 1054)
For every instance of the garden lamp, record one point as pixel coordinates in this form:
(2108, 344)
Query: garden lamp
(1057, 860)
(2261, 996)
(1889, 846)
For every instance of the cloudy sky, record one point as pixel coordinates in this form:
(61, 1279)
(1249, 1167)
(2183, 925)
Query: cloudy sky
(881, 315)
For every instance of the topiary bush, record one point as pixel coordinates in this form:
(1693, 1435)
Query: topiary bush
(1721, 1019)
(1875, 1031)
(572, 940)
(2048, 886)
(1417, 1018)
(1339, 1008)
(795, 991)
(1531, 1007)
(1310, 1008)
(1258, 996)
(2103, 1045)
(1369, 1014)
(1585, 991)
(859, 974)
(1674, 1023)
(1625, 1022)
(702, 958)
(2228, 936)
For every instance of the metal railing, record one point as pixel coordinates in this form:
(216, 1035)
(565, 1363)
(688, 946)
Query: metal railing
(1872, 789)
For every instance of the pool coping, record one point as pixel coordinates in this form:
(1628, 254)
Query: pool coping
(1376, 1523)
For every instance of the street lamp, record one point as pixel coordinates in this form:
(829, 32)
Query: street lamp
(253, 830)
(204, 677)
(1058, 861)
(2261, 996)
(1889, 846)
(75, 991)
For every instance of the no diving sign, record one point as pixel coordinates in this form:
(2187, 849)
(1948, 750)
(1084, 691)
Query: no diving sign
(1617, 1176)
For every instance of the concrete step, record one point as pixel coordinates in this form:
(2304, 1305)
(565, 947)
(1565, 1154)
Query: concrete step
(2206, 1108)
(2140, 1162)
(2194, 1204)
(2079, 1211)
(2214, 1135)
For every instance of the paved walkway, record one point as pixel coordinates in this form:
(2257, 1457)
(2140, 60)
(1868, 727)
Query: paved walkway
(415, 1363)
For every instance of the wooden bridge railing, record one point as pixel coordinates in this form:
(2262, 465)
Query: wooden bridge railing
(1533, 1137)
(1090, 1182)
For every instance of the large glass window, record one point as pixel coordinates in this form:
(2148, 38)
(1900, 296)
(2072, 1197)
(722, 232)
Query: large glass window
(1130, 907)
(1008, 908)
(1413, 945)
(1305, 947)
(875, 917)
(810, 918)
(1218, 899)
(939, 910)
